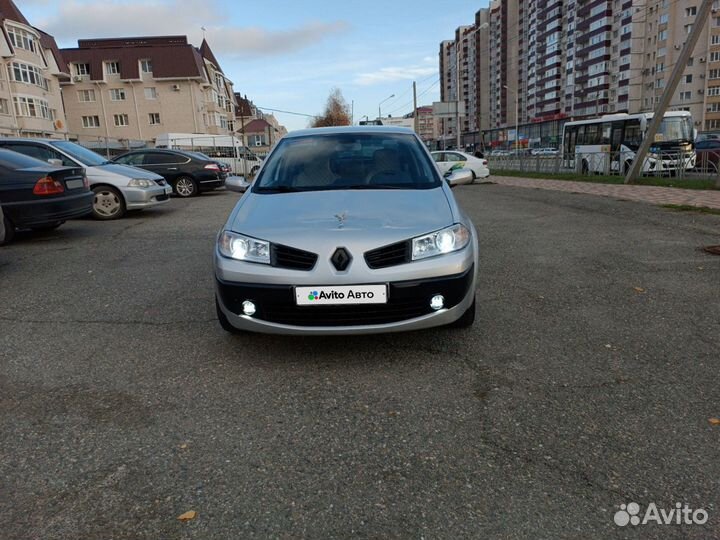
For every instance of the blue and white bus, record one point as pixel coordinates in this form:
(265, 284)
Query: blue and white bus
(607, 145)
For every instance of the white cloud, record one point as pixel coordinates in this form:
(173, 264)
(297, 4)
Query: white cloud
(391, 74)
(76, 20)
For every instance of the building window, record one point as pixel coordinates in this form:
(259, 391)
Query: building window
(257, 140)
(715, 40)
(713, 91)
(91, 121)
(32, 107)
(86, 95)
(112, 68)
(691, 11)
(714, 74)
(154, 118)
(121, 120)
(82, 69)
(688, 79)
(117, 94)
(150, 92)
(712, 124)
(4, 106)
(28, 74)
(146, 66)
(685, 96)
(23, 39)
(663, 19)
(715, 56)
(688, 28)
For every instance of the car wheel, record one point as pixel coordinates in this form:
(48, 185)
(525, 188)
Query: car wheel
(9, 232)
(223, 320)
(108, 203)
(48, 226)
(467, 319)
(185, 187)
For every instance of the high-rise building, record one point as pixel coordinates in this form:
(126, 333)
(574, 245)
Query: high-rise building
(30, 76)
(570, 59)
(137, 88)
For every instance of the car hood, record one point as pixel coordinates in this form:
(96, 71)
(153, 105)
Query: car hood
(372, 217)
(123, 170)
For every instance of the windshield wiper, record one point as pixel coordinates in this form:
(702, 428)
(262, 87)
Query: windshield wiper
(278, 189)
(375, 186)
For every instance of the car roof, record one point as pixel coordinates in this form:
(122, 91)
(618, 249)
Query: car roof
(350, 129)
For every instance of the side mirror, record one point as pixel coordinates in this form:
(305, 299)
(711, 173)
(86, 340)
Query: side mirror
(459, 177)
(55, 162)
(236, 183)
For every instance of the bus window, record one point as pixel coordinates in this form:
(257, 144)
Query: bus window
(580, 135)
(592, 134)
(633, 136)
(606, 133)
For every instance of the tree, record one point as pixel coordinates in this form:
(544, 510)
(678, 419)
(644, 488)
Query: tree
(337, 111)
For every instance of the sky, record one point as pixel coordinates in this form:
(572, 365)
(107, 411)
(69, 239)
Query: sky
(288, 54)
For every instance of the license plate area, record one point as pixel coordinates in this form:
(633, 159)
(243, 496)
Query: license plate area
(341, 295)
(75, 183)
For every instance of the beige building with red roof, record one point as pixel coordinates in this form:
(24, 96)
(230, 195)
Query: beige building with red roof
(30, 77)
(137, 88)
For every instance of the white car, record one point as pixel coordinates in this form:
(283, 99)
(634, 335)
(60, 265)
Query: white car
(449, 161)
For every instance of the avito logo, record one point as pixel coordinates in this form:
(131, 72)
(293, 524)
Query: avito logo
(335, 295)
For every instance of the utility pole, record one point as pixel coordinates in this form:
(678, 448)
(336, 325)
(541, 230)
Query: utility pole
(680, 65)
(415, 112)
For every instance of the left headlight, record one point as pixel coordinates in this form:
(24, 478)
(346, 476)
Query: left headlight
(243, 248)
(141, 182)
(447, 240)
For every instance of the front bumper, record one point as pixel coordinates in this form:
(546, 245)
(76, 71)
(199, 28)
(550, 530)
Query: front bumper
(137, 198)
(38, 212)
(408, 307)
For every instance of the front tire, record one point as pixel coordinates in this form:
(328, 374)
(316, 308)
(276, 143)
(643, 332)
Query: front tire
(223, 320)
(467, 319)
(185, 187)
(108, 203)
(9, 232)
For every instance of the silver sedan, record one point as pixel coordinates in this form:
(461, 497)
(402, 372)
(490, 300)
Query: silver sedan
(347, 231)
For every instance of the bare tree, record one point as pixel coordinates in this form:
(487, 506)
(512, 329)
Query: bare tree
(337, 112)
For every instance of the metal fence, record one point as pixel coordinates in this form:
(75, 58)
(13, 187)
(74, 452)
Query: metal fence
(703, 165)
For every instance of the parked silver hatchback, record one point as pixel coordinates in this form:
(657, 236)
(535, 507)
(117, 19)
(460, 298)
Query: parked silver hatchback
(347, 231)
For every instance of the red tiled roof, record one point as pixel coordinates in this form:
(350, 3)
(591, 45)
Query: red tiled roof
(257, 126)
(206, 52)
(8, 10)
(172, 57)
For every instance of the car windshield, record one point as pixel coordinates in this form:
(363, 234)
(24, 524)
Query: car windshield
(80, 153)
(348, 161)
(675, 128)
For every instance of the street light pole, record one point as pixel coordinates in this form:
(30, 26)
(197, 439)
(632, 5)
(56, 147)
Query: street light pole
(380, 104)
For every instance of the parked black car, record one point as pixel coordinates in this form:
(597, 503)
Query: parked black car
(188, 173)
(37, 196)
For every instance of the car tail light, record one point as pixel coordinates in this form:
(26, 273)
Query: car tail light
(48, 186)
(86, 182)
(212, 166)
(485, 162)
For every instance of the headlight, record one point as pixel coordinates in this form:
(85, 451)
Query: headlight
(141, 182)
(243, 248)
(447, 240)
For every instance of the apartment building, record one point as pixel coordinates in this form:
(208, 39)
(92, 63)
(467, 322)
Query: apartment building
(138, 88)
(563, 59)
(30, 77)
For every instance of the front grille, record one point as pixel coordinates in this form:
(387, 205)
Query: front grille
(391, 255)
(163, 197)
(294, 259)
(406, 300)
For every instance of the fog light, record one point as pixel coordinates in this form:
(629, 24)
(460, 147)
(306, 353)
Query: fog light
(248, 308)
(437, 302)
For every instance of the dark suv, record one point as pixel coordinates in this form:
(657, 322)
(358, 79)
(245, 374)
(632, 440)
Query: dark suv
(188, 173)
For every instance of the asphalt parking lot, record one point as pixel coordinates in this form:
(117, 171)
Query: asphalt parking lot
(587, 382)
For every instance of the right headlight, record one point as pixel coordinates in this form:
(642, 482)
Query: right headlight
(141, 183)
(243, 248)
(448, 240)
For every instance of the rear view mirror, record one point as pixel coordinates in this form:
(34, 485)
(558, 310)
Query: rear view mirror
(55, 162)
(236, 183)
(459, 177)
